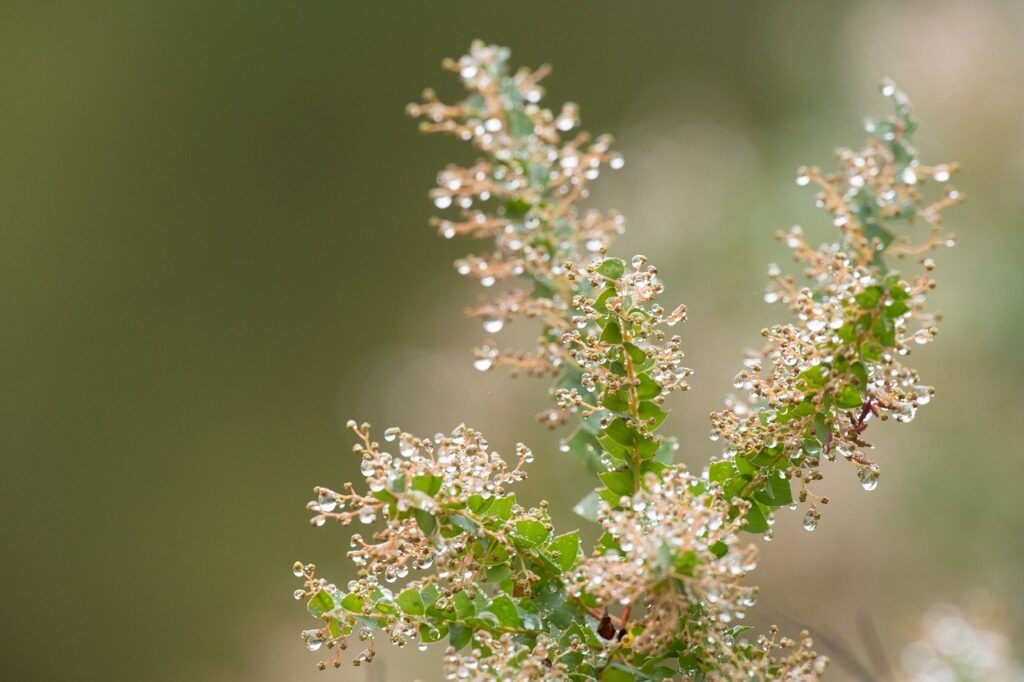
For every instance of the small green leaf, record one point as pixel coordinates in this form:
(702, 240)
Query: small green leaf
(612, 267)
(781, 492)
(320, 603)
(459, 635)
(617, 401)
(567, 547)
(611, 333)
(649, 411)
(648, 388)
(587, 507)
(463, 523)
(430, 485)
(464, 607)
(884, 331)
(849, 397)
(529, 533)
(721, 471)
(410, 602)
(425, 520)
(505, 609)
(756, 522)
(619, 482)
(352, 602)
(621, 432)
(502, 507)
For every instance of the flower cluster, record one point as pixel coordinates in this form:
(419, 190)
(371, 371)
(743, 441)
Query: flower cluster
(663, 592)
(809, 394)
(670, 559)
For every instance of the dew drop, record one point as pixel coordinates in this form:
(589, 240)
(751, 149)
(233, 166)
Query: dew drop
(869, 477)
(327, 502)
(482, 364)
(391, 434)
(442, 201)
(493, 325)
(811, 520)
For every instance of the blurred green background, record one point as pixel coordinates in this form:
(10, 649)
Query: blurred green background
(215, 251)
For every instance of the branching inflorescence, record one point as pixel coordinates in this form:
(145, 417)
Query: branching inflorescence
(452, 553)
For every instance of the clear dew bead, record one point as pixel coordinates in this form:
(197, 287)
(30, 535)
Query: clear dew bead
(391, 434)
(314, 640)
(297, 569)
(869, 477)
(327, 502)
(811, 520)
(493, 325)
(367, 515)
(482, 364)
(299, 594)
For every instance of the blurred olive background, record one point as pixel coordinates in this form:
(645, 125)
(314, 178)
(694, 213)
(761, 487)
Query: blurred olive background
(214, 248)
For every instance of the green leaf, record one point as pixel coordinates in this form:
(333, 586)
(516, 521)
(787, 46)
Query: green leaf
(611, 333)
(430, 485)
(613, 448)
(567, 548)
(619, 482)
(352, 602)
(464, 607)
(721, 471)
(411, 602)
(814, 377)
(618, 401)
(505, 609)
(320, 603)
(648, 388)
(519, 123)
(635, 353)
(463, 523)
(425, 520)
(780, 489)
(586, 449)
(502, 507)
(884, 331)
(612, 267)
(587, 507)
(459, 635)
(620, 431)
(429, 633)
(849, 397)
(869, 298)
(529, 533)
(755, 520)
(617, 673)
(649, 411)
(871, 351)
(601, 303)
(498, 572)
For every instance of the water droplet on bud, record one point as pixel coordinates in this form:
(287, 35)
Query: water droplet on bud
(869, 477)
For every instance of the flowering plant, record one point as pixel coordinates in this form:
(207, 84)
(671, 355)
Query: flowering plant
(454, 556)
